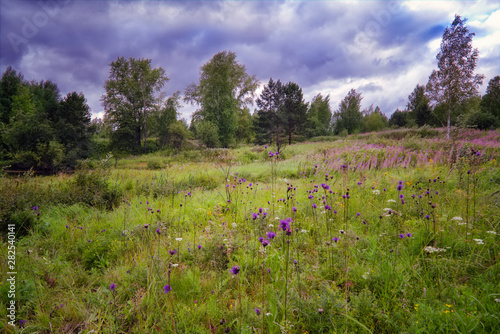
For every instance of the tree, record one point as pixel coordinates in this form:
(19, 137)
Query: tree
(455, 80)
(164, 117)
(348, 117)
(72, 126)
(130, 97)
(398, 118)
(293, 111)
(9, 85)
(319, 116)
(490, 102)
(374, 120)
(418, 106)
(269, 127)
(223, 89)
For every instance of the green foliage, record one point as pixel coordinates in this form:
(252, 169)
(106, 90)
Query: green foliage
(398, 119)
(348, 116)
(319, 116)
(490, 102)
(223, 89)
(208, 133)
(455, 80)
(478, 120)
(130, 100)
(374, 121)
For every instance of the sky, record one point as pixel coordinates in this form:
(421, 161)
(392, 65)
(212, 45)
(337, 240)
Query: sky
(383, 49)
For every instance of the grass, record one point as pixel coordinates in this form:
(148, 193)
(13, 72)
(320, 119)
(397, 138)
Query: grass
(101, 246)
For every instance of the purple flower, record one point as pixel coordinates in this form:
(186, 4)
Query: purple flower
(260, 210)
(294, 209)
(284, 224)
(265, 243)
(199, 246)
(167, 289)
(327, 207)
(261, 239)
(401, 236)
(427, 217)
(271, 235)
(358, 214)
(335, 239)
(35, 208)
(235, 270)
(172, 252)
(408, 235)
(112, 287)
(271, 154)
(158, 231)
(360, 183)
(257, 311)
(22, 323)
(255, 215)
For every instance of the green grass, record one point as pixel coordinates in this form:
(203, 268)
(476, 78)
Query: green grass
(107, 225)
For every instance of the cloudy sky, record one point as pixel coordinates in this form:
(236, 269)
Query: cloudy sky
(380, 48)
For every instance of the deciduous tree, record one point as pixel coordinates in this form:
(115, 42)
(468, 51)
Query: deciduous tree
(455, 80)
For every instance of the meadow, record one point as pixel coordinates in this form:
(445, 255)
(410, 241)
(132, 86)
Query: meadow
(393, 232)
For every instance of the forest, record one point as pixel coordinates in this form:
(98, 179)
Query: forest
(42, 130)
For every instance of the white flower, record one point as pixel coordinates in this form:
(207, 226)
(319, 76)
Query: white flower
(479, 241)
(303, 231)
(387, 209)
(268, 314)
(431, 249)
(271, 225)
(175, 264)
(492, 232)
(391, 201)
(234, 225)
(178, 239)
(497, 300)
(457, 218)
(365, 275)
(376, 192)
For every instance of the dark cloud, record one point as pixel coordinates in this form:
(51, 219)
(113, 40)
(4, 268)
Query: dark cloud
(324, 46)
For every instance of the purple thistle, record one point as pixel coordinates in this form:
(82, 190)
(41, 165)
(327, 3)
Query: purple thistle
(427, 217)
(112, 287)
(261, 239)
(35, 208)
(358, 214)
(271, 235)
(172, 252)
(158, 231)
(327, 207)
(257, 311)
(235, 270)
(199, 246)
(335, 239)
(255, 216)
(409, 235)
(265, 243)
(294, 209)
(167, 289)
(401, 236)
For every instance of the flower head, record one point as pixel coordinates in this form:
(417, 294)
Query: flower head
(235, 270)
(257, 311)
(271, 235)
(167, 289)
(112, 287)
(172, 252)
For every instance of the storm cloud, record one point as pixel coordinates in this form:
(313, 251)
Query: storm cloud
(382, 49)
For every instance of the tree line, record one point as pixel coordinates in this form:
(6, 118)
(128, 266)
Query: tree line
(40, 128)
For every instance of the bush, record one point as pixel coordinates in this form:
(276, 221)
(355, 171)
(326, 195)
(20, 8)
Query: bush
(208, 133)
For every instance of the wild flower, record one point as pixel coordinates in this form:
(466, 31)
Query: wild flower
(271, 235)
(178, 239)
(294, 209)
(112, 287)
(391, 201)
(235, 270)
(492, 232)
(401, 236)
(265, 243)
(314, 206)
(479, 241)
(158, 231)
(167, 289)
(427, 217)
(376, 192)
(335, 239)
(303, 231)
(257, 311)
(457, 218)
(35, 208)
(261, 239)
(431, 249)
(22, 323)
(172, 252)
(199, 246)
(409, 235)
(327, 207)
(255, 216)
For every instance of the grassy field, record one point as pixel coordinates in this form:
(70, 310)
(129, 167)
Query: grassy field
(395, 232)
